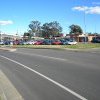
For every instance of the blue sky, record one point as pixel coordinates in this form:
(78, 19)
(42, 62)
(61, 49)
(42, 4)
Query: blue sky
(16, 15)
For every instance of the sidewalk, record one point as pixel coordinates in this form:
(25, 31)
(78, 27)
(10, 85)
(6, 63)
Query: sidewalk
(7, 90)
(7, 48)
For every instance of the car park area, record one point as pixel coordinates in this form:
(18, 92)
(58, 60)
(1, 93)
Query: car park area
(64, 41)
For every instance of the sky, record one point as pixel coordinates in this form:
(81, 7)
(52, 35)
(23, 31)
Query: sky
(16, 15)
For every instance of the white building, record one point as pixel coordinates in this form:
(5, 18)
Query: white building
(4, 36)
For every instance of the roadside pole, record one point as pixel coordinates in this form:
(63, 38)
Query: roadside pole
(85, 39)
(0, 34)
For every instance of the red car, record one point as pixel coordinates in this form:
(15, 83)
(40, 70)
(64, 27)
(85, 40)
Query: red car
(56, 42)
(38, 42)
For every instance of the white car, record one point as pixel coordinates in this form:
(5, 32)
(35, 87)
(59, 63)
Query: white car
(71, 42)
(30, 42)
(68, 41)
(1, 42)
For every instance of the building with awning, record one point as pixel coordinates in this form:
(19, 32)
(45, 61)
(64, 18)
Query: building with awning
(83, 38)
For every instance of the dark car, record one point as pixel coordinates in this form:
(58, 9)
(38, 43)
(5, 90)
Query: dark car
(47, 41)
(7, 42)
(16, 42)
(96, 40)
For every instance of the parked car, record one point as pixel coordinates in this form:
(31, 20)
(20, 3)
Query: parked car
(96, 40)
(56, 42)
(64, 42)
(16, 42)
(68, 41)
(72, 41)
(1, 42)
(39, 42)
(24, 43)
(30, 42)
(47, 41)
(7, 42)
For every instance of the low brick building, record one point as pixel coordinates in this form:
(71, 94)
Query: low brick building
(82, 37)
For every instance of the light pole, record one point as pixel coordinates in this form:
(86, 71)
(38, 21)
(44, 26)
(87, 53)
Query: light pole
(85, 27)
(0, 34)
(85, 39)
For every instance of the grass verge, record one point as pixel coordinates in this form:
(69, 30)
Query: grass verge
(77, 46)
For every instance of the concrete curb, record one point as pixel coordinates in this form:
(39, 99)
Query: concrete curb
(8, 49)
(7, 90)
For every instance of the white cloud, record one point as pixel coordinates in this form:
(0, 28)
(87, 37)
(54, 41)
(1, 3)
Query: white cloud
(94, 10)
(8, 22)
(88, 10)
(80, 8)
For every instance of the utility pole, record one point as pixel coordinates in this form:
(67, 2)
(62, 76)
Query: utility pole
(85, 39)
(0, 34)
(84, 21)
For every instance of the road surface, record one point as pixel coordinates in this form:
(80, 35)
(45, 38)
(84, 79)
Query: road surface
(42, 74)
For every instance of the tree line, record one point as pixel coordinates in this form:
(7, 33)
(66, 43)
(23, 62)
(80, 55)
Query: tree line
(50, 29)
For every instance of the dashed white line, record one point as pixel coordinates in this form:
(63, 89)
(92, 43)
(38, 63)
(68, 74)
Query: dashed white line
(47, 78)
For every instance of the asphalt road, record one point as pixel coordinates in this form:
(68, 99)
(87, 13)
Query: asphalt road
(42, 74)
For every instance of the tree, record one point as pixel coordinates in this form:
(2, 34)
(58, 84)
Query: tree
(51, 29)
(45, 30)
(35, 28)
(27, 35)
(75, 29)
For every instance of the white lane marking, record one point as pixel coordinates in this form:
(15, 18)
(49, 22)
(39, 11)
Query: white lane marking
(49, 79)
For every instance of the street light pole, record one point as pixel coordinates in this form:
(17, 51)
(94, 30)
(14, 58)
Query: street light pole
(0, 34)
(85, 25)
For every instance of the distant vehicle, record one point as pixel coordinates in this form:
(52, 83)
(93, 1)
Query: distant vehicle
(30, 42)
(72, 42)
(64, 42)
(16, 42)
(47, 41)
(39, 42)
(7, 42)
(1, 42)
(96, 40)
(68, 41)
(56, 42)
